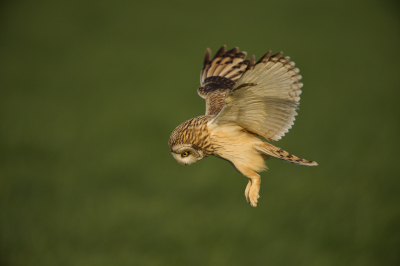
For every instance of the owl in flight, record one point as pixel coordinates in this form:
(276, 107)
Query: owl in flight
(244, 101)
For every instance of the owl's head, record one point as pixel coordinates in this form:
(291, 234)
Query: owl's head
(189, 141)
(186, 153)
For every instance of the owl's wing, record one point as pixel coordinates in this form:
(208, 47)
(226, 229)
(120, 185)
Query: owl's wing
(220, 75)
(264, 99)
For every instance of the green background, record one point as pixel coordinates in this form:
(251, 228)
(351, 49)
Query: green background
(91, 90)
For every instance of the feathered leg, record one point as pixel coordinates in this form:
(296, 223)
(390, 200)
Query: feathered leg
(246, 192)
(253, 186)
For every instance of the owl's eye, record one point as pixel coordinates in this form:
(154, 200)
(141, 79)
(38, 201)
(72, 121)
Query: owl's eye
(185, 154)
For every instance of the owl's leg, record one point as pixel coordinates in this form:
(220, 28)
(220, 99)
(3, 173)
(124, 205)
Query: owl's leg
(254, 190)
(253, 186)
(246, 192)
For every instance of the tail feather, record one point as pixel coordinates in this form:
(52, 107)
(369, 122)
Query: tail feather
(277, 152)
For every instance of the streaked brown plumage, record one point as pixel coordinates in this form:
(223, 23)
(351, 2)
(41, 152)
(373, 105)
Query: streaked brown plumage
(243, 100)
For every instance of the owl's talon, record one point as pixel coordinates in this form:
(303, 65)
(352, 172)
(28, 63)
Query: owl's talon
(254, 200)
(253, 194)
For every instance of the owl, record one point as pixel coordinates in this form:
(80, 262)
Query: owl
(247, 104)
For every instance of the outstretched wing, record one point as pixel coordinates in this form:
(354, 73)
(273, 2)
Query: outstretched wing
(220, 75)
(265, 98)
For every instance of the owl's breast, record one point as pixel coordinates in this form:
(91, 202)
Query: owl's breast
(236, 146)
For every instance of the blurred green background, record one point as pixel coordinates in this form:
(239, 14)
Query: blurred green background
(91, 90)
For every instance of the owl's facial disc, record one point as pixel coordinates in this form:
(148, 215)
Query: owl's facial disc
(186, 154)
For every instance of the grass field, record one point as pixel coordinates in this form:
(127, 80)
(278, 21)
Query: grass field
(90, 92)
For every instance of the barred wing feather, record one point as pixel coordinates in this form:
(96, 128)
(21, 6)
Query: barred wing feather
(265, 98)
(220, 75)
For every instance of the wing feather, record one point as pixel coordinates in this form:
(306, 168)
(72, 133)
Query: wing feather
(264, 99)
(219, 75)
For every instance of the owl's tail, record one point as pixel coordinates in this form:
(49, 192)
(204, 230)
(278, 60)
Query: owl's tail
(271, 150)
